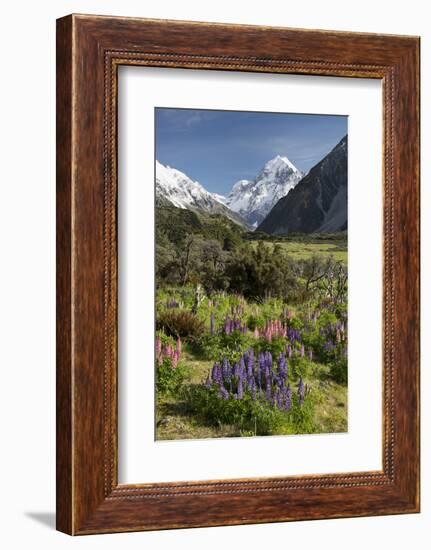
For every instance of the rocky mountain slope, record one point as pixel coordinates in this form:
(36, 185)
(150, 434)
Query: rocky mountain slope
(318, 204)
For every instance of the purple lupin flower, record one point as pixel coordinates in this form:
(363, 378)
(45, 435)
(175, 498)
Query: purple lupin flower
(289, 351)
(261, 369)
(282, 366)
(268, 363)
(268, 391)
(224, 393)
(279, 399)
(241, 367)
(288, 398)
(328, 346)
(216, 374)
(250, 363)
(226, 369)
(293, 335)
(240, 389)
(301, 391)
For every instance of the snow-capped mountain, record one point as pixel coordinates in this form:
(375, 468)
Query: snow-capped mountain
(253, 199)
(176, 188)
(318, 204)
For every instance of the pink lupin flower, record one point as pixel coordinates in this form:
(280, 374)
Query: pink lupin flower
(158, 348)
(256, 333)
(269, 334)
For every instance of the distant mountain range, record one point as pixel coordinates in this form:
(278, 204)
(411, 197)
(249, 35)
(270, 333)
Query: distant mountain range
(279, 200)
(318, 204)
(177, 189)
(249, 200)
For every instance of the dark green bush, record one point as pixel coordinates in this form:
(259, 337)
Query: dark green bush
(338, 371)
(255, 321)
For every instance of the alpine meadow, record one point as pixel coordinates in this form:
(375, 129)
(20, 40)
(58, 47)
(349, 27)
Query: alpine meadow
(251, 274)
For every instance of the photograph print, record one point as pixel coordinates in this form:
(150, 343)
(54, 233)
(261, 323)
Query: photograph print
(251, 274)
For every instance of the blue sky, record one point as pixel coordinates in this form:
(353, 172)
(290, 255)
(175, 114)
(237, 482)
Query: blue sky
(217, 148)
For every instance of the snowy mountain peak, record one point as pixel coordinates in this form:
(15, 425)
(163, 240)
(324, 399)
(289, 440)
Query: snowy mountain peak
(177, 189)
(253, 199)
(240, 186)
(279, 162)
(249, 200)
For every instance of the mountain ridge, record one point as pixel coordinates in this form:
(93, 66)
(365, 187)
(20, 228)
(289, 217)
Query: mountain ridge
(318, 203)
(175, 188)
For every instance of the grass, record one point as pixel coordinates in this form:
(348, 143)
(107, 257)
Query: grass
(331, 410)
(302, 250)
(174, 420)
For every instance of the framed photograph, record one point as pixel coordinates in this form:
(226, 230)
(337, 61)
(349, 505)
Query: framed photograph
(237, 274)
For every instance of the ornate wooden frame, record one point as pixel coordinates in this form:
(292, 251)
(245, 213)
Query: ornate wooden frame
(89, 51)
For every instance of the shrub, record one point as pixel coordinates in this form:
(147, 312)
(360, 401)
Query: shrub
(276, 346)
(169, 380)
(180, 324)
(255, 321)
(338, 371)
(296, 323)
(250, 416)
(300, 367)
(231, 346)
